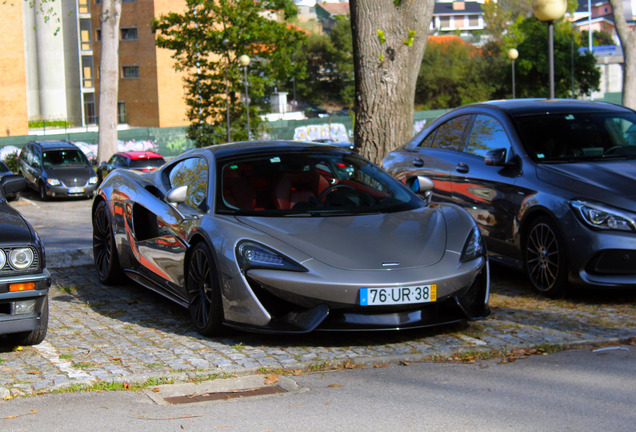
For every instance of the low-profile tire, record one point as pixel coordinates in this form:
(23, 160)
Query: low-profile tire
(36, 336)
(204, 294)
(43, 195)
(545, 258)
(104, 249)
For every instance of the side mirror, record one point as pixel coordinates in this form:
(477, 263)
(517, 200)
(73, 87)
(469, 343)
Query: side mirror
(496, 157)
(422, 186)
(177, 195)
(11, 184)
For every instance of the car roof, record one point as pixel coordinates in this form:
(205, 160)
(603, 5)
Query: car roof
(140, 155)
(222, 150)
(53, 145)
(521, 107)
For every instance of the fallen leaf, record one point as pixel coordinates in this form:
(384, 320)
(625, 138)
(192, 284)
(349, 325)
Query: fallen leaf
(335, 385)
(405, 363)
(18, 348)
(18, 415)
(271, 379)
(126, 386)
(156, 389)
(380, 366)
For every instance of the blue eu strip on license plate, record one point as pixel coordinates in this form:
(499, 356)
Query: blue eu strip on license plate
(398, 295)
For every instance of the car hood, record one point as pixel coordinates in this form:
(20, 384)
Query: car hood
(13, 228)
(610, 182)
(408, 239)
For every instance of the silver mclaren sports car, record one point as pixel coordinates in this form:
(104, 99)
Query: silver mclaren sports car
(290, 237)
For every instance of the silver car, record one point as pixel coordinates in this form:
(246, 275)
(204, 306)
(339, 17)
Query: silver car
(290, 237)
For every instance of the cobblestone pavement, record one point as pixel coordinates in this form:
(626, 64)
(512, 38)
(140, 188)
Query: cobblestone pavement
(129, 334)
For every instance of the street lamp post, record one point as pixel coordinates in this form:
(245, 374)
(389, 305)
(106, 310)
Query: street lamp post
(244, 60)
(226, 43)
(549, 11)
(512, 55)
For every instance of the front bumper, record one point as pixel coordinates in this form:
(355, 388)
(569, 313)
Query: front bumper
(20, 311)
(466, 298)
(66, 192)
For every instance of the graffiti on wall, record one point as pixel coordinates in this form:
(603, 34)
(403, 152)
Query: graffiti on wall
(336, 132)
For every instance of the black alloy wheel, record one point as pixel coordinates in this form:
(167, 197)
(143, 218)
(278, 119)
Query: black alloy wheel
(204, 296)
(104, 248)
(545, 259)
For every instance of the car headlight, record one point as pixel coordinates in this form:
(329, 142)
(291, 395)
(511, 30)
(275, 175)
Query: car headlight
(602, 217)
(252, 255)
(53, 182)
(474, 246)
(3, 259)
(92, 180)
(21, 258)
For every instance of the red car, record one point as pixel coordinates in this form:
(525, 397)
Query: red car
(135, 160)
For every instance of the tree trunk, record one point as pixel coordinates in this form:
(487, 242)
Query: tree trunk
(108, 79)
(628, 42)
(388, 45)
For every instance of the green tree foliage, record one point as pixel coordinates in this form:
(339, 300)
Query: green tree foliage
(207, 40)
(329, 60)
(453, 73)
(532, 64)
(599, 38)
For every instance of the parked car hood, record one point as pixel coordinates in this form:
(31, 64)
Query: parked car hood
(610, 182)
(408, 239)
(13, 228)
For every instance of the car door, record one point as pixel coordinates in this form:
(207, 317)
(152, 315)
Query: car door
(26, 165)
(488, 191)
(437, 155)
(160, 229)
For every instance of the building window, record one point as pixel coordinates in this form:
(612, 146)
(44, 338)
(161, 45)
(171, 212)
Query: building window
(89, 109)
(98, 35)
(85, 35)
(128, 33)
(130, 71)
(473, 21)
(87, 72)
(83, 7)
(121, 112)
(444, 22)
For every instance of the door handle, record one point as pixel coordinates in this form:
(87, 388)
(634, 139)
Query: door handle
(417, 162)
(462, 168)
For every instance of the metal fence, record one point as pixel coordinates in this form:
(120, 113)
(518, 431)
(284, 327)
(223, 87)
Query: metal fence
(173, 141)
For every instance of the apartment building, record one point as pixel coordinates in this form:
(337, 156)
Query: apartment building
(13, 108)
(151, 92)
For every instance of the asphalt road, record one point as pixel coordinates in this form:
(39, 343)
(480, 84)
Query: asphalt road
(62, 224)
(578, 390)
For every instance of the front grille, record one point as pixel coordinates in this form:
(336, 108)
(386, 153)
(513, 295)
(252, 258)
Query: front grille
(614, 261)
(74, 182)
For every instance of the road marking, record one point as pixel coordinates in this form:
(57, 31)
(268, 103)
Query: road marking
(49, 352)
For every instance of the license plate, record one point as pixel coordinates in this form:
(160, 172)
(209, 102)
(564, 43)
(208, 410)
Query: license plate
(398, 295)
(75, 190)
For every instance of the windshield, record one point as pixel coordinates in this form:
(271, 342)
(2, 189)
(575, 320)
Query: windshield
(143, 163)
(56, 158)
(309, 184)
(578, 136)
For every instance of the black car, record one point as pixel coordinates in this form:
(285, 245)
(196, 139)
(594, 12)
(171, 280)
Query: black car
(4, 170)
(24, 279)
(57, 169)
(550, 183)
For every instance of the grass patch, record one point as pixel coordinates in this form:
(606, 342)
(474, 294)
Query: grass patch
(83, 365)
(114, 386)
(67, 289)
(66, 356)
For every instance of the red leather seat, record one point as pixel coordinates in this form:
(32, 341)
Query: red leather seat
(237, 190)
(293, 188)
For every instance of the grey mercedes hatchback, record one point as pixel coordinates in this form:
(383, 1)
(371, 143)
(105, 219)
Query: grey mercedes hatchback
(551, 184)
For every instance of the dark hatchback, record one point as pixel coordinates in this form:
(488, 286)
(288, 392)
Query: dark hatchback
(551, 183)
(24, 279)
(57, 169)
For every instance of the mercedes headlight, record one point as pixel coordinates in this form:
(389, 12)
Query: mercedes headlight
(3, 258)
(474, 246)
(253, 255)
(53, 182)
(602, 217)
(92, 180)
